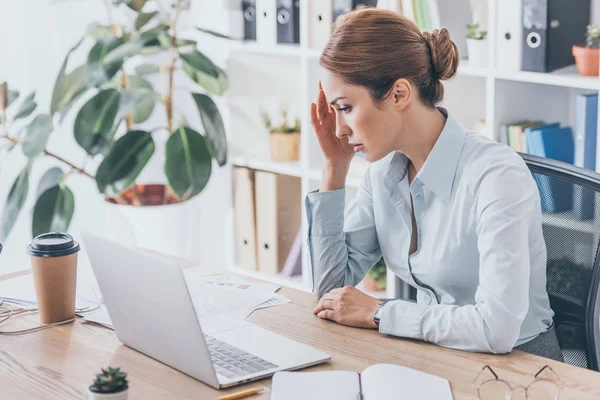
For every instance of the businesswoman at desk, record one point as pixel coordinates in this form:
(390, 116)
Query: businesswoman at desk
(454, 214)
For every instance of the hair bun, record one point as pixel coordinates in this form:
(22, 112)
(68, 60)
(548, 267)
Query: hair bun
(444, 53)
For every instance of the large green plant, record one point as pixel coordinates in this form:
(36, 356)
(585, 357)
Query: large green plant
(119, 98)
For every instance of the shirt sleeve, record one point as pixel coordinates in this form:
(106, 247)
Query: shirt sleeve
(342, 245)
(506, 201)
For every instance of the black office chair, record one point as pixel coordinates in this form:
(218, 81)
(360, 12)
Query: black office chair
(570, 199)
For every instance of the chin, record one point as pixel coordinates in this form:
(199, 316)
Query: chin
(370, 157)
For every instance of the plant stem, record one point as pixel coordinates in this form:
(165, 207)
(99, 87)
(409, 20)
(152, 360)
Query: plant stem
(46, 152)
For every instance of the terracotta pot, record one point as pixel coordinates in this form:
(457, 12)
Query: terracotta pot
(285, 146)
(587, 60)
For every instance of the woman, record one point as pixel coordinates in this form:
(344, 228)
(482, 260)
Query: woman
(454, 214)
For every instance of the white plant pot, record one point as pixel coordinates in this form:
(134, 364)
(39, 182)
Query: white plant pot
(108, 396)
(478, 52)
(172, 228)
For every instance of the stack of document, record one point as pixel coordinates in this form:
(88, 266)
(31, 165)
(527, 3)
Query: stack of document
(216, 297)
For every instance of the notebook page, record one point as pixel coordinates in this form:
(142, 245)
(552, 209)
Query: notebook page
(392, 382)
(323, 385)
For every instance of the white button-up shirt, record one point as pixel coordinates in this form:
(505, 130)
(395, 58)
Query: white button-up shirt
(480, 265)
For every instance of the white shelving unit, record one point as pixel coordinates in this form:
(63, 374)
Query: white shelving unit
(268, 76)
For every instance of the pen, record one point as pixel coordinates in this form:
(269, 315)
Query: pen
(239, 395)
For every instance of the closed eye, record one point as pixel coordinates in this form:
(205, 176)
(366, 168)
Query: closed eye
(345, 109)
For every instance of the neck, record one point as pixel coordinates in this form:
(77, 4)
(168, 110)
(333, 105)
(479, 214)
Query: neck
(424, 126)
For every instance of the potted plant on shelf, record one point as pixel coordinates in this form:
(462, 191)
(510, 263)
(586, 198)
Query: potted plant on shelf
(587, 57)
(284, 139)
(477, 46)
(111, 383)
(375, 280)
(114, 80)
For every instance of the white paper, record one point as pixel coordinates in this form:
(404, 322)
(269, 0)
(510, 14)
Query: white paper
(324, 385)
(276, 300)
(386, 381)
(99, 316)
(210, 299)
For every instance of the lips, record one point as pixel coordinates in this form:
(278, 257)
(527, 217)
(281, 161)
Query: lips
(357, 147)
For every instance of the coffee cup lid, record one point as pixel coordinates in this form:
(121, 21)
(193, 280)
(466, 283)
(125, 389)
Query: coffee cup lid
(53, 244)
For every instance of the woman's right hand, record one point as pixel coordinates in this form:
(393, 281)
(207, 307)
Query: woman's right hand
(337, 152)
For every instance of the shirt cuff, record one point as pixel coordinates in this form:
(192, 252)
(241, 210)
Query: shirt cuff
(402, 318)
(325, 212)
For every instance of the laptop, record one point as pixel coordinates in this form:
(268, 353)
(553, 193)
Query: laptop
(152, 312)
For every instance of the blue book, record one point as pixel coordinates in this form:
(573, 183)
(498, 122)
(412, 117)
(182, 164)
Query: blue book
(586, 124)
(557, 143)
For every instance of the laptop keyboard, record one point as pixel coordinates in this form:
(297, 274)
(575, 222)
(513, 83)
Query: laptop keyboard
(232, 362)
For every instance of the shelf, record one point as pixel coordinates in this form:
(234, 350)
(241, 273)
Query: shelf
(468, 70)
(566, 77)
(278, 49)
(568, 221)
(294, 282)
(284, 168)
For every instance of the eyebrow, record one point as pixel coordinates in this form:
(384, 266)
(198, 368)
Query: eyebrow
(336, 99)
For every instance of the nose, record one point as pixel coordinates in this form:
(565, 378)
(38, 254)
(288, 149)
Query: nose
(341, 128)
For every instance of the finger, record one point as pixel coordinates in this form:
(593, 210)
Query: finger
(322, 106)
(313, 116)
(324, 305)
(327, 314)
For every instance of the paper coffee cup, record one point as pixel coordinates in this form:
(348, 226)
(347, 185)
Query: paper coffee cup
(54, 265)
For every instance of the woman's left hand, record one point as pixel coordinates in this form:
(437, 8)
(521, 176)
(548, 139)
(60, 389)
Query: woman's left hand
(348, 306)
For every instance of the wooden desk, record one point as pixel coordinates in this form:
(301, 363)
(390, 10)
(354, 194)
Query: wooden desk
(60, 363)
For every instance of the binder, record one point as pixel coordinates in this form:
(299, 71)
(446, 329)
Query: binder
(288, 21)
(249, 11)
(278, 216)
(320, 19)
(266, 22)
(509, 35)
(245, 218)
(586, 124)
(550, 29)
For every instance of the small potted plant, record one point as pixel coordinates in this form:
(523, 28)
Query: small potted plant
(284, 139)
(110, 384)
(477, 46)
(587, 56)
(375, 280)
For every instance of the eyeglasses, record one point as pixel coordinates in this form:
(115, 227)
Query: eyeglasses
(546, 386)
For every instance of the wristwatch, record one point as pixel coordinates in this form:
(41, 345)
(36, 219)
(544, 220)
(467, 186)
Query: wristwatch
(378, 313)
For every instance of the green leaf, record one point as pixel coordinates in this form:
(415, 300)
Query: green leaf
(53, 211)
(97, 73)
(27, 107)
(145, 104)
(135, 5)
(94, 124)
(147, 69)
(128, 156)
(188, 162)
(38, 132)
(51, 178)
(11, 96)
(135, 45)
(67, 86)
(202, 70)
(14, 202)
(165, 41)
(213, 126)
(216, 34)
(143, 18)
(98, 31)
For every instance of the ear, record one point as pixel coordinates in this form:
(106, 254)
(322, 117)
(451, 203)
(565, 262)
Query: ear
(401, 94)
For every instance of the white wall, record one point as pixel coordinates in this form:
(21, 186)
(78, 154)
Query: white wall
(34, 39)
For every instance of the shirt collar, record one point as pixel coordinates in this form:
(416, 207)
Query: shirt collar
(439, 169)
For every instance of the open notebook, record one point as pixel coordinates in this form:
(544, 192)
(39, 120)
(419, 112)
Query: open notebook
(377, 382)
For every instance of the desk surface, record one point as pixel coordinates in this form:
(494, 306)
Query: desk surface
(60, 362)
